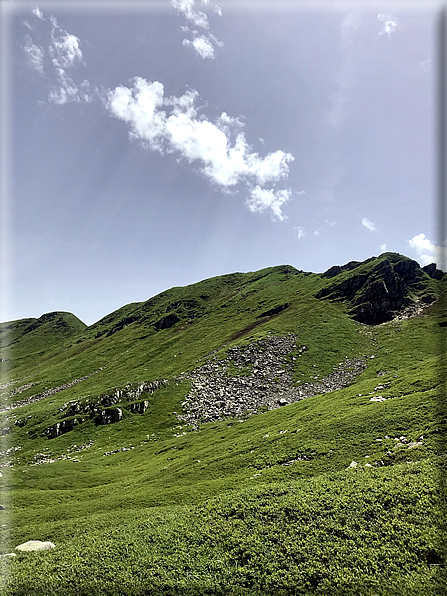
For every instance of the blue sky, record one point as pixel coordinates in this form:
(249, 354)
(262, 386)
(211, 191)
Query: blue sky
(156, 144)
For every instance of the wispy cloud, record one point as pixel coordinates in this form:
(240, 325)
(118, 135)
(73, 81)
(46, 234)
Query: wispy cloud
(428, 252)
(38, 13)
(368, 224)
(191, 14)
(203, 44)
(64, 51)
(34, 54)
(425, 65)
(300, 232)
(389, 24)
(383, 247)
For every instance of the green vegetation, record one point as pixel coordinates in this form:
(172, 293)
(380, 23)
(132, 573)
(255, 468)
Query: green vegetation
(266, 504)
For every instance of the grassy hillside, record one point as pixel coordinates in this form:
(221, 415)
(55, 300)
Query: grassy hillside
(337, 493)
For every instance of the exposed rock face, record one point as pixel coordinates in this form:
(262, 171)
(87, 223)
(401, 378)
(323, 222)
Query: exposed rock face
(274, 311)
(336, 269)
(265, 381)
(432, 271)
(379, 295)
(109, 416)
(167, 322)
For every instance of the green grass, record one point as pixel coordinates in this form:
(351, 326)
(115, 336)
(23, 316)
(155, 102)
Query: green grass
(256, 505)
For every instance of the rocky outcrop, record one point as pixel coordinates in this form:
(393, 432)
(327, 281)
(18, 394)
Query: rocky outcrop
(336, 269)
(381, 293)
(109, 416)
(432, 271)
(102, 409)
(275, 310)
(167, 322)
(255, 378)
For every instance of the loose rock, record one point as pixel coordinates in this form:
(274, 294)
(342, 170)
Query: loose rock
(33, 545)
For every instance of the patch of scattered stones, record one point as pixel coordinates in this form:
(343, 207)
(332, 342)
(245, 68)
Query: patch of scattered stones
(48, 458)
(39, 396)
(388, 457)
(265, 381)
(8, 453)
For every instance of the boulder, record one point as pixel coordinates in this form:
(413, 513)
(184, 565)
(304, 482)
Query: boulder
(33, 545)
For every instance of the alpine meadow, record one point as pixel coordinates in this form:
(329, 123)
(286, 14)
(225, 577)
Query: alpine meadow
(267, 433)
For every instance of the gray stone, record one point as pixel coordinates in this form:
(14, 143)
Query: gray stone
(34, 545)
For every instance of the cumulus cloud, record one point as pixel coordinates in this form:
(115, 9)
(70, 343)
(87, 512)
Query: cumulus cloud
(34, 54)
(368, 224)
(389, 24)
(300, 232)
(428, 252)
(173, 125)
(203, 44)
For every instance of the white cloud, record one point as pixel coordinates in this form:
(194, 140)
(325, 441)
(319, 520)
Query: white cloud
(35, 54)
(65, 50)
(368, 224)
(146, 112)
(218, 10)
(201, 45)
(300, 192)
(196, 17)
(172, 125)
(389, 24)
(428, 252)
(261, 199)
(67, 91)
(300, 232)
(383, 247)
(38, 13)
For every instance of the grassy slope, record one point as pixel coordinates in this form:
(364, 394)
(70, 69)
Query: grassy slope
(215, 511)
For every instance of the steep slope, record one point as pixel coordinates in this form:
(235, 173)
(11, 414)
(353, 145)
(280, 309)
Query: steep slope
(243, 435)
